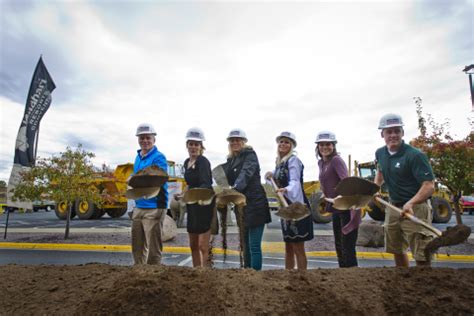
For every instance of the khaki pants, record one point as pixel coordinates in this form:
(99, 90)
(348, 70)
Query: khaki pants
(147, 225)
(401, 232)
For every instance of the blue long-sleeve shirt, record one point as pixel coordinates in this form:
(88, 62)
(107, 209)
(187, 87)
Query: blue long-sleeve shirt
(153, 157)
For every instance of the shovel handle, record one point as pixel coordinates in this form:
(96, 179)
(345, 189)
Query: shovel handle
(410, 217)
(279, 194)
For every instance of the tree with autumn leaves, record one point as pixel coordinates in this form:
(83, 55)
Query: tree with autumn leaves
(64, 178)
(452, 160)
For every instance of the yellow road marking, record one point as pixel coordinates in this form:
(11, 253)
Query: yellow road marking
(267, 247)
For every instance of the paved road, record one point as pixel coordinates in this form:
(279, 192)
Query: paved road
(44, 219)
(273, 261)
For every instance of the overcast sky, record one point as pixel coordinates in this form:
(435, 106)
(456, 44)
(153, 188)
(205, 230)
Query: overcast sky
(264, 67)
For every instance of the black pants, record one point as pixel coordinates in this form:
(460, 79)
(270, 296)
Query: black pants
(345, 244)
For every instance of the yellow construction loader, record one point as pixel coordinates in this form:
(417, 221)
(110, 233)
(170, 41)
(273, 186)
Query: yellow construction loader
(113, 186)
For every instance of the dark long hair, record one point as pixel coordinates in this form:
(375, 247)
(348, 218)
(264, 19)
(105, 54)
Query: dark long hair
(319, 156)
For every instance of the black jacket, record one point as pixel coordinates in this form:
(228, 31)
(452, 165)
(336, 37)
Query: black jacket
(199, 175)
(243, 173)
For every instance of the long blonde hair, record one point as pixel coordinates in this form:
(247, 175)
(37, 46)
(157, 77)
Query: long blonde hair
(231, 154)
(283, 159)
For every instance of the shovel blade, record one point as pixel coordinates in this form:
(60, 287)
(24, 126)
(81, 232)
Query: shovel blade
(148, 177)
(295, 211)
(230, 196)
(200, 196)
(147, 181)
(450, 237)
(219, 176)
(353, 201)
(138, 193)
(356, 186)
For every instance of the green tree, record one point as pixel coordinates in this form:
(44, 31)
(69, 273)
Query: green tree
(64, 178)
(452, 160)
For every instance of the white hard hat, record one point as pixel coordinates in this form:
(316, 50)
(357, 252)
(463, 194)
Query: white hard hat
(326, 136)
(288, 135)
(237, 133)
(145, 128)
(390, 120)
(195, 133)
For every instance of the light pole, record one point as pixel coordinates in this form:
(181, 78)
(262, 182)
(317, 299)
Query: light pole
(469, 70)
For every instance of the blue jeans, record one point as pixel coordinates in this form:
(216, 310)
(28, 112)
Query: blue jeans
(253, 247)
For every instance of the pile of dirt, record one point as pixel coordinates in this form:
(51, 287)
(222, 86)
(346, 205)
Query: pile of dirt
(104, 289)
(151, 171)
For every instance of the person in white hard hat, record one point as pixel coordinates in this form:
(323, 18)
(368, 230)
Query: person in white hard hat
(345, 224)
(243, 174)
(409, 178)
(148, 214)
(288, 176)
(198, 175)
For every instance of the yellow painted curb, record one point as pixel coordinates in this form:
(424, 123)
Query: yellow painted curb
(44, 246)
(85, 247)
(267, 247)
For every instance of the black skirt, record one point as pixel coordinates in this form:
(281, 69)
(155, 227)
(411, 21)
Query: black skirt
(199, 218)
(301, 230)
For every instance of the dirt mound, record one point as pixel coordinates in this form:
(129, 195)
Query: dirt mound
(103, 289)
(151, 171)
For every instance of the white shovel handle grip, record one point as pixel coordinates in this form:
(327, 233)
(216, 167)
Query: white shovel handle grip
(410, 217)
(280, 195)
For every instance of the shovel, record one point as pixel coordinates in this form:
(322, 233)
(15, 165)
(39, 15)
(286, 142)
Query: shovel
(146, 183)
(451, 236)
(139, 193)
(357, 187)
(353, 193)
(151, 176)
(223, 198)
(200, 196)
(227, 195)
(294, 212)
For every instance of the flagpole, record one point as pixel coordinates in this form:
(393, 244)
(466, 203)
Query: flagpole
(6, 222)
(36, 144)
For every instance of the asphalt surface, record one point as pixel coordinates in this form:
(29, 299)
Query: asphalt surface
(270, 261)
(46, 222)
(42, 220)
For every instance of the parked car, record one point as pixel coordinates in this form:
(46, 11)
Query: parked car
(467, 204)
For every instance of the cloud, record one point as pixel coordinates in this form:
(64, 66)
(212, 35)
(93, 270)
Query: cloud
(263, 67)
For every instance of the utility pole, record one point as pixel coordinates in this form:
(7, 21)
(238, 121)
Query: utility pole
(469, 70)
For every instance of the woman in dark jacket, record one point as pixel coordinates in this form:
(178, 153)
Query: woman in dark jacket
(198, 175)
(243, 174)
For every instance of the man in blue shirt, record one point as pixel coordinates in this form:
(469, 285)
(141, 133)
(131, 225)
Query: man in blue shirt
(410, 182)
(148, 214)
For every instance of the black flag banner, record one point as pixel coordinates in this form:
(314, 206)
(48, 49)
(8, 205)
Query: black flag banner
(37, 103)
